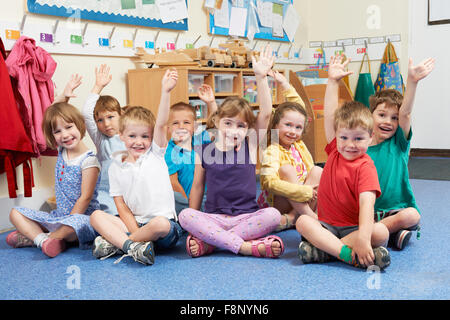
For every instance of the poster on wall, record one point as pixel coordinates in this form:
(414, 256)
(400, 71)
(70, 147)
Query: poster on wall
(438, 12)
(148, 13)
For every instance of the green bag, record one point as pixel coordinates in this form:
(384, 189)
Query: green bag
(364, 87)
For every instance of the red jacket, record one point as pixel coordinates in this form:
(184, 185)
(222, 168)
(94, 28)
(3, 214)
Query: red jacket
(15, 146)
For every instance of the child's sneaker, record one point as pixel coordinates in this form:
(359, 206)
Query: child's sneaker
(401, 238)
(104, 249)
(17, 240)
(52, 247)
(308, 253)
(142, 252)
(382, 258)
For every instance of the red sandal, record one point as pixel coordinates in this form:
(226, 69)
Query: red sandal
(202, 250)
(267, 241)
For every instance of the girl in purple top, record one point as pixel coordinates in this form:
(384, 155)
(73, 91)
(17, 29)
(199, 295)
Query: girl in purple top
(232, 219)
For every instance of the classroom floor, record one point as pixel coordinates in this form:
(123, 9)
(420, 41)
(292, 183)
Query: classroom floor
(418, 272)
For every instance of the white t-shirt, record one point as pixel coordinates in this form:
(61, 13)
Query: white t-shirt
(144, 185)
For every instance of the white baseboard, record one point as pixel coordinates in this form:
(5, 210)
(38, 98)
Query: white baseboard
(35, 202)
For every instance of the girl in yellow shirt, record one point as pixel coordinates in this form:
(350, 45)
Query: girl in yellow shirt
(289, 179)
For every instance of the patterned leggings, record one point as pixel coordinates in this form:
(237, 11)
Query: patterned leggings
(226, 231)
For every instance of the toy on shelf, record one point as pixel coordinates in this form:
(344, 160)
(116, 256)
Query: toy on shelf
(238, 49)
(171, 58)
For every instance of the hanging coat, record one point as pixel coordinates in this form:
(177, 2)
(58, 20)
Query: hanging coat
(15, 146)
(32, 68)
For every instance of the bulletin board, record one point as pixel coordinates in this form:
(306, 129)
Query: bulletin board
(135, 12)
(265, 32)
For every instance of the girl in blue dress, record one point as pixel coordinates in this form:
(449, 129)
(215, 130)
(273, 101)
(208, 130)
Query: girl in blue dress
(76, 177)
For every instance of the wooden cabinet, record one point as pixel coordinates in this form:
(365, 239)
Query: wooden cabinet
(313, 96)
(144, 85)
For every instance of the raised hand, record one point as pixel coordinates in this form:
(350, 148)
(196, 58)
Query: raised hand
(264, 64)
(206, 94)
(336, 69)
(102, 76)
(279, 78)
(169, 80)
(73, 83)
(420, 71)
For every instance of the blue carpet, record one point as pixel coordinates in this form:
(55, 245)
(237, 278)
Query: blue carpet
(418, 272)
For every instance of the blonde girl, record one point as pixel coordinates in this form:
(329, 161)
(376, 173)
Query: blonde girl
(76, 175)
(289, 179)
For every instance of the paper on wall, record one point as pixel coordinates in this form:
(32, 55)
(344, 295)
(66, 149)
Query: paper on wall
(222, 16)
(264, 10)
(172, 10)
(277, 20)
(238, 21)
(291, 22)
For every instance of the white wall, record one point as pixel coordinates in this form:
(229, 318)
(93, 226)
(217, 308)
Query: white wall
(431, 115)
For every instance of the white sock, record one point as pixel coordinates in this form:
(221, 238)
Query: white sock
(40, 238)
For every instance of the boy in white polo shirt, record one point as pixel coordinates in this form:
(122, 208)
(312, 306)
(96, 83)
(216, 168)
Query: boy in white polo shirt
(141, 188)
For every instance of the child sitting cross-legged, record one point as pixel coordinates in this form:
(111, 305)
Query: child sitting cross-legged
(348, 187)
(140, 186)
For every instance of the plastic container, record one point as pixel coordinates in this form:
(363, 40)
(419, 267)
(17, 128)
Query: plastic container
(223, 82)
(195, 81)
(250, 92)
(200, 108)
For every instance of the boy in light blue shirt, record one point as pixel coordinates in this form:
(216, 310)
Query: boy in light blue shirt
(180, 152)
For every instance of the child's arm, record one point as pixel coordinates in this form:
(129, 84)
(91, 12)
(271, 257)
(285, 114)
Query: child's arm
(261, 68)
(168, 82)
(89, 178)
(206, 94)
(73, 83)
(102, 79)
(198, 185)
(289, 92)
(415, 74)
(336, 71)
(125, 214)
(176, 186)
(362, 247)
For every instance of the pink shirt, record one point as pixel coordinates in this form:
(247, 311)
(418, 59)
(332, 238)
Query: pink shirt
(33, 68)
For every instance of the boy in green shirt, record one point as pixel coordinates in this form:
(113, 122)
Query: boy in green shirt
(396, 208)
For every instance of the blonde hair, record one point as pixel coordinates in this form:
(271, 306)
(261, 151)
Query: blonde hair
(136, 114)
(106, 103)
(65, 111)
(278, 113)
(389, 96)
(353, 114)
(232, 107)
(183, 106)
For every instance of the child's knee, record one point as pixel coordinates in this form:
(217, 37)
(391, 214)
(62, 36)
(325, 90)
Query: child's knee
(160, 225)
(287, 172)
(95, 216)
(14, 215)
(302, 222)
(408, 217)
(380, 235)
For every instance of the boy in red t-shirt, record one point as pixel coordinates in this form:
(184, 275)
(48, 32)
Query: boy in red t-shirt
(348, 187)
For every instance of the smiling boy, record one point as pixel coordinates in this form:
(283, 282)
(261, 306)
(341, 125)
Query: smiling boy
(397, 207)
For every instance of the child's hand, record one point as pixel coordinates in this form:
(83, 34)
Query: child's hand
(423, 69)
(336, 69)
(363, 250)
(72, 84)
(102, 76)
(280, 79)
(265, 62)
(206, 94)
(169, 80)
